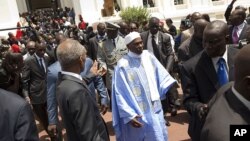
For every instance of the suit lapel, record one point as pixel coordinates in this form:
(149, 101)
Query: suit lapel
(243, 32)
(145, 41)
(159, 41)
(207, 65)
(37, 64)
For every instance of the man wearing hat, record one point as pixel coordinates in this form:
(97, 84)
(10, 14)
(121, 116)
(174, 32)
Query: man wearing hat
(110, 51)
(138, 85)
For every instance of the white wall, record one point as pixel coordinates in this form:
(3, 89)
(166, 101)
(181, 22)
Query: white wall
(9, 15)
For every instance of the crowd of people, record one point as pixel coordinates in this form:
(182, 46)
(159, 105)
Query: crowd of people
(53, 67)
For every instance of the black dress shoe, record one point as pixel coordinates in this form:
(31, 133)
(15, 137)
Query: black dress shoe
(173, 112)
(167, 123)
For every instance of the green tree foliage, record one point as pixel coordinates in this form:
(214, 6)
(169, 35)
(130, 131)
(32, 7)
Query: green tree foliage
(135, 14)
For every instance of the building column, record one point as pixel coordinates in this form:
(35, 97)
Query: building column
(10, 17)
(88, 9)
(22, 6)
(166, 7)
(66, 3)
(130, 3)
(200, 3)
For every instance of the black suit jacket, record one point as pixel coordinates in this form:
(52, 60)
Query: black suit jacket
(199, 84)
(226, 110)
(243, 33)
(34, 80)
(16, 119)
(165, 49)
(93, 47)
(80, 114)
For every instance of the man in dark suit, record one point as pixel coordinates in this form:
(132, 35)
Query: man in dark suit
(230, 105)
(34, 82)
(94, 82)
(193, 45)
(163, 51)
(159, 44)
(80, 114)
(94, 41)
(238, 27)
(202, 75)
(16, 119)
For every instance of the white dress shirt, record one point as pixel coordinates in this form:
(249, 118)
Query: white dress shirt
(240, 28)
(149, 43)
(216, 59)
(43, 63)
(72, 74)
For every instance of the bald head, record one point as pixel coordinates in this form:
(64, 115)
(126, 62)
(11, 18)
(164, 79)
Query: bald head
(217, 26)
(101, 29)
(237, 17)
(199, 27)
(195, 16)
(124, 28)
(31, 47)
(154, 25)
(242, 72)
(215, 37)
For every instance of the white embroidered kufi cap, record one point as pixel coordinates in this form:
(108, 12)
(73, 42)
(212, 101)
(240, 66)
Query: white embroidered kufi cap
(131, 36)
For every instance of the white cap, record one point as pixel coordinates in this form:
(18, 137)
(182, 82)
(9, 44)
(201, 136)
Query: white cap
(131, 36)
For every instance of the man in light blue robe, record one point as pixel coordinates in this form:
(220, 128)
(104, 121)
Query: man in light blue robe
(138, 85)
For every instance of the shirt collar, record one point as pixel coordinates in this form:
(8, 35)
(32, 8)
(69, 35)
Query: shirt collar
(241, 98)
(241, 25)
(99, 36)
(37, 57)
(134, 55)
(216, 59)
(72, 74)
(156, 35)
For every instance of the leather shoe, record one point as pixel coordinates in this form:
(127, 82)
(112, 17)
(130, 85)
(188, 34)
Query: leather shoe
(173, 112)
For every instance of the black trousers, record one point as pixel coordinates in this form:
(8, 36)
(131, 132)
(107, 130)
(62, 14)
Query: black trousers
(41, 112)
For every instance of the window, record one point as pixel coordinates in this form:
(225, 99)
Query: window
(178, 2)
(148, 3)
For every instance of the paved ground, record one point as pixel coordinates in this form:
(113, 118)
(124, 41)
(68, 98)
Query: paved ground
(177, 131)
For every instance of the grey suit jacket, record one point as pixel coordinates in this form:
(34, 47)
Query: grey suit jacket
(165, 49)
(80, 114)
(243, 33)
(226, 110)
(199, 84)
(34, 80)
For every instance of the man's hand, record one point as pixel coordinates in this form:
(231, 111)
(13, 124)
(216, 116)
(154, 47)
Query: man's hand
(27, 99)
(202, 112)
(135, 123)
(52, 129)
(104, 109)
(102, 71)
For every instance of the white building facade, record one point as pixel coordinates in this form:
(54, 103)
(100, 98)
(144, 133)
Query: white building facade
(91, 9)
